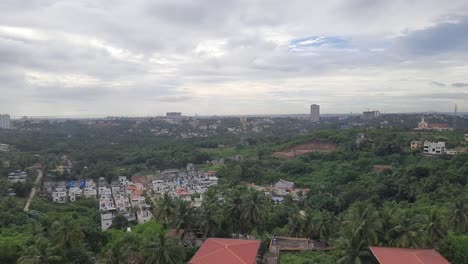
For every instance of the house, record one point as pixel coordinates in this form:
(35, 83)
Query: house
(386, 255)
(415, 145)
(466, 137)
(4, 147)
(106, 220)
(223, 250)
(17, 176)
(59, 195)
(434, 148)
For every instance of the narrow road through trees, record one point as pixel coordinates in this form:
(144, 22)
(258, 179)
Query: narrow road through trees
(33, 190)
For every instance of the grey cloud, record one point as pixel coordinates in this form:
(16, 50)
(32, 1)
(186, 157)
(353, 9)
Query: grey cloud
(440, 84)
(441, 38)
(255, 37)
(459, 85)
(70, 94)
(170, 99)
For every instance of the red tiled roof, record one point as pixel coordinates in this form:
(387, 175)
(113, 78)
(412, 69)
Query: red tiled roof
(227, 251)
(438, 125)
(182, 191)
(137, 192)
(408, 256)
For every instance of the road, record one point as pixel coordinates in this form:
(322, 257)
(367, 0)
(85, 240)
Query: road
(33, 190)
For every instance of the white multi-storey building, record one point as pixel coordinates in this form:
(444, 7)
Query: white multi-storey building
(5, 122)
(434, 148)
(315, 113)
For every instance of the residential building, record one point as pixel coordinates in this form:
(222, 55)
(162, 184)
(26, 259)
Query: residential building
(466, 137)
(370, 114)
(415, 145)
(434, 148)
(386, 255)
(106, 220)
(59, 195)
(17, 176)
(223, 250)
(4, 147)
(5, 122)
(315, 113)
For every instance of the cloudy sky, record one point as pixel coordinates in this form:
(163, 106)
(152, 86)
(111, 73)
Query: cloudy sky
(146, 57)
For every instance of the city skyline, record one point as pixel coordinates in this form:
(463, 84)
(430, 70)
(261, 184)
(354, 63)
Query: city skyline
(139, 58)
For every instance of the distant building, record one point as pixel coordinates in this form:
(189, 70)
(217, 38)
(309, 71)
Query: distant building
(466, 137)
(4, 147)
(369, 115)
(416, 145)
(315, 113)
(424, 125)
(5, 122)
(17, 176)
(174, 115)
(434, 148)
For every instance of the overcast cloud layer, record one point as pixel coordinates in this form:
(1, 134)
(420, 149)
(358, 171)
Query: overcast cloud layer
(146, 57)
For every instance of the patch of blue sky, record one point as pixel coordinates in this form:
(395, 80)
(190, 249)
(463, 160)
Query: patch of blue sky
(315, 42)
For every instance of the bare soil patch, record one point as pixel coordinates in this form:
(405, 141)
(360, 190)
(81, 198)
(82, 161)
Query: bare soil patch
(301, 149)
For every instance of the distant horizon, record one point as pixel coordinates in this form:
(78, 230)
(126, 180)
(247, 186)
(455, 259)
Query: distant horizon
(220, 115)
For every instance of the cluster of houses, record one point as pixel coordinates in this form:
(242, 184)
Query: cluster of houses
(281, 189)
(62, 192)
(123, 197)
(184, 184)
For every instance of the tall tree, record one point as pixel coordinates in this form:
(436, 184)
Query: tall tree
(233, 210)
(362, 223)
(459, 217)
(185, 217)
(67, 233)
(211, 214)
(41, 252)
(434, 226)
(161, 250)
(353, 250)
(408, 232)
(165, 209)
(255, 209)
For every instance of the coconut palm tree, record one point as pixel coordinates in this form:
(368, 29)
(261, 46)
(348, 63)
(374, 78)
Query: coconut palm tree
(363, 223)
(185, 216)
(434, 226)
(123, 251)
(67, 233)
(211, 215)
(323, 223)
(255, 208)
(408, 232)
(459, 218)
(165, 209)
(388, 220)
(41, 252)
(161, 250)
(233, 211)
(353, 251)
(296, 225)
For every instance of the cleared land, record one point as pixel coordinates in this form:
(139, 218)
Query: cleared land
(301, 149)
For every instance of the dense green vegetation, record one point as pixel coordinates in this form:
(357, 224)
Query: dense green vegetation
(417, 201)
